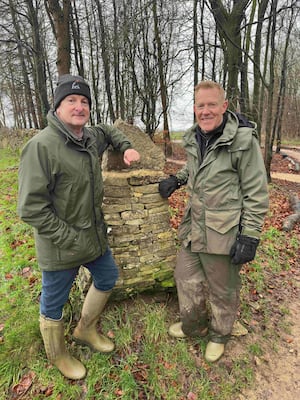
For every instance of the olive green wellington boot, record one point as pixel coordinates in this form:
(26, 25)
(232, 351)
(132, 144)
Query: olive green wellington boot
(54, 341)
(86, 330)
(175, 330)
(214, 351)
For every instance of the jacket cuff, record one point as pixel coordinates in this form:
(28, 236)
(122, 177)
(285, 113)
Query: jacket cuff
(125, 147)
(250, 232)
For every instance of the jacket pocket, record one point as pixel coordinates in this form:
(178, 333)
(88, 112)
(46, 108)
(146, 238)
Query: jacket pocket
(222, 221)
(221, 230)
(82, 248)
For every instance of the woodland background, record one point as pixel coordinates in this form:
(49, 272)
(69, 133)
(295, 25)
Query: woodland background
(141, 56)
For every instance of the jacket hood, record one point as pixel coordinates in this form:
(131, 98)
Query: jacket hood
(55, 123)
(228, 135)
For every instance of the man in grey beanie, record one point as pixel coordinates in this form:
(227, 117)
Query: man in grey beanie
(60, 196)
(71, 84)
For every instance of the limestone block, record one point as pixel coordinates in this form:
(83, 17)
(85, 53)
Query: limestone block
(151, 156)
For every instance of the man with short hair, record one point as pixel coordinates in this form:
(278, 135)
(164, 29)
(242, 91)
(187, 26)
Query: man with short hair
(220, 230)
(60, 196)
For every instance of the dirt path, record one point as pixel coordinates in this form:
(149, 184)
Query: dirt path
(277, 376)
(286, 177)
(293, 152)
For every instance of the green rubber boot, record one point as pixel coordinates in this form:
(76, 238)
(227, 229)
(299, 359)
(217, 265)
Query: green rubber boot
(86, 330)
(175, 330)
(54, 341)
(214, 351)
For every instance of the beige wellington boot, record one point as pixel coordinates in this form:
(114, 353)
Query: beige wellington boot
(86, 332)
(214, 351)
(176, 331)
(54, 341)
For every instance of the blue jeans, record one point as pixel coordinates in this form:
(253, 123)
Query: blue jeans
(56, 285)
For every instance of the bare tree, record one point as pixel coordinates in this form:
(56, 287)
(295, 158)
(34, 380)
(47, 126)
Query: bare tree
(282, 81)
(244, 98)
(136, 52)
(38, 67)
(268, 139)
(75, 29)
(257, 86)
(229, 29)
(59, 15)
(105, 58)
(22, 50)
(162, 80)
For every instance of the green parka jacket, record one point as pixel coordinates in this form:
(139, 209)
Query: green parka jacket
(228, 190)
(61, 192)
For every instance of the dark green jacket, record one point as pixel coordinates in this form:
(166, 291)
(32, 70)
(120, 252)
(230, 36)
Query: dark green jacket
(228, 190)
(61, 192)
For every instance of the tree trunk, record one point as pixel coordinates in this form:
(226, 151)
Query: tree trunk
(228, 26)
(39, 69)
(75, 26)
(244, 100)
(60, 17)
(162, 80)
(105, 59)
(28, 101)
(282, 90)
(257, 87)
(269, 137)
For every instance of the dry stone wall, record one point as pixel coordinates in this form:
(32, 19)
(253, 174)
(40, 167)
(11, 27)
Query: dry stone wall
(140, 236)
(138, 220)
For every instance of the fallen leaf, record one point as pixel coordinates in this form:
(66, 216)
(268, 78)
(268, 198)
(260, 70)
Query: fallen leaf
(111, 334)
(191, 396)
(25, 383)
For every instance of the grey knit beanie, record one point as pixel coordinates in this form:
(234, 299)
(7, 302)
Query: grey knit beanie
(71, 84)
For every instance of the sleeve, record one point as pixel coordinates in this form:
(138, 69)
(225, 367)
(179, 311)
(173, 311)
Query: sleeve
(254, 189)
(110, 136)
(183, 175)
(36, 180)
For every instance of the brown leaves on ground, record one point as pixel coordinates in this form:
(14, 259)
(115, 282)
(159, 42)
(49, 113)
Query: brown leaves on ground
(23, 386)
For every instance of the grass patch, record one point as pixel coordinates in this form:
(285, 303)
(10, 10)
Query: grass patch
(147, 363)
(176, 135)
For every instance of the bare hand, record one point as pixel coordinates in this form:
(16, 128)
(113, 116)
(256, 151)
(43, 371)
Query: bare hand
(131, 155)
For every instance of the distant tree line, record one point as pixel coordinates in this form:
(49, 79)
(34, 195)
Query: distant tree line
(136, 54)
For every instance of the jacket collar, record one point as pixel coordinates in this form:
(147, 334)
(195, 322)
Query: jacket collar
(229, 132)
(61, 129)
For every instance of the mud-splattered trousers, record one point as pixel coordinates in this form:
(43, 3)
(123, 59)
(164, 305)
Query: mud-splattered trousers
(199, 273)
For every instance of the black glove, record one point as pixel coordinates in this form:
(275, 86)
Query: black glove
(244, 249)
(168, 186)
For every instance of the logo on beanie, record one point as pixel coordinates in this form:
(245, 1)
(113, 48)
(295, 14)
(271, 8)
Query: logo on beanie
(75, 85)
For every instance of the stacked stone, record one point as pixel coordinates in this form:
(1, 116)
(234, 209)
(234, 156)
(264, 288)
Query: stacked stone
(138, 219)
(140, 236)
